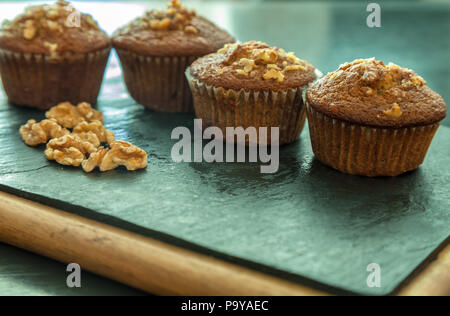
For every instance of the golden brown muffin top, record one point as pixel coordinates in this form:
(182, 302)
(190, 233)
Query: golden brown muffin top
(368, 92)
(52, 30)
(176, 31)
(253, 66)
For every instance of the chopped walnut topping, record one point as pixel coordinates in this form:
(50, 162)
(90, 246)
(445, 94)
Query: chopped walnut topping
(52, 13)
(30, 30)
(248, 64)
(241, 72)
(175, 17)
(160, 24)
(253, 57)
(68, 150)
(418, 81)
(121, 154)
(54, 26)
(379, 77)
(94, 132)
(34, 133)
(294, 67)
(274, 66)
(268, 56)
(70, 116)
(46, 22)
(395, 111)
(226, 48)
(274, 74)
(368, 91)
(190, 29)
(52, 48)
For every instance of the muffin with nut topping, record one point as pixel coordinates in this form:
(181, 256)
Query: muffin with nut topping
(50, 54)
(156, 49)
(371, 119)
(251, 85)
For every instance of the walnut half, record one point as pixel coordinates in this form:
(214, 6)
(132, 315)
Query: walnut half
(69, 150)
(94, 133)
(121, 154)
(69, 116)
(34, 134)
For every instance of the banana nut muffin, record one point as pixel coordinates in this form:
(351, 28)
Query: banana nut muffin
(251, 85)
(156, 49)
(372, 119)
(50, 54)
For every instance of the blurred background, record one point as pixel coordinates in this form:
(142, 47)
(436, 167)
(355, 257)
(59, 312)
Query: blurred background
(413, 34)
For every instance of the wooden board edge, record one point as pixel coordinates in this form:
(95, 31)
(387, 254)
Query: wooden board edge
(141, 262)
(157, 267)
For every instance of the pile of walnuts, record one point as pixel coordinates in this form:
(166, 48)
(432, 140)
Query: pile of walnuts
(75, 136)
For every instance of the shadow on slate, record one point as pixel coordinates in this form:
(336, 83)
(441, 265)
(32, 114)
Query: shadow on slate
(306, 223)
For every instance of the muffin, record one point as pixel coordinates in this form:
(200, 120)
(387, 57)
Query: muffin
(251, 85)
(156, 49)
(51, 54)
(372, 119)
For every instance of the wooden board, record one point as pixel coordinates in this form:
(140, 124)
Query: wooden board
(158, 267)
(307, 224)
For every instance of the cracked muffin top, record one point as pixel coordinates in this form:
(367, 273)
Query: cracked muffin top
(368, 92)
(176, 31)
(253, 66)
(52, 30)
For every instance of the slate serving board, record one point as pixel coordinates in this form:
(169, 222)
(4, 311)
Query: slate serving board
(306, 223)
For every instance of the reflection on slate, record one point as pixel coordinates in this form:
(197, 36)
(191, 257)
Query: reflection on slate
(306, 222)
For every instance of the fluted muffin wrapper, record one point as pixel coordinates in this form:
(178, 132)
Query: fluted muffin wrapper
(368, 151)
(40, 81)
(223, 108)
(158, 83)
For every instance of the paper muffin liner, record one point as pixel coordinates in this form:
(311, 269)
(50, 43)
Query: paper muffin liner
(39, 81)
(223, 108)
(368, 151)
(158, 83)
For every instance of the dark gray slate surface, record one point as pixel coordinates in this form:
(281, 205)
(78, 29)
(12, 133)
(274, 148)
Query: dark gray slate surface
(306, 221)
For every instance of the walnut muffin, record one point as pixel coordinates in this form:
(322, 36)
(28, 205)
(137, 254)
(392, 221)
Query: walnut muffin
(156, 49)
(50, 54)
(251, 85)
(371, 119)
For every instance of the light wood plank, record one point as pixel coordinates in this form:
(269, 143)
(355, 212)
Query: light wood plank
(132, 259)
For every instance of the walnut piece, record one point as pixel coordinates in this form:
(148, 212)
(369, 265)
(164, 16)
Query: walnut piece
(93, 132)
(191, 29)
(395, 111)
(175, 17)
(34, 133)
(68, 150)
(257, 58)
(274, 74)
(160, 24)
(82, 146)
(121, 154)
(94, 160)
(30, 30)
(69, 116)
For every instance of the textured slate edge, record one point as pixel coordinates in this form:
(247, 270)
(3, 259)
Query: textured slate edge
(422, 266)
(296, 278)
